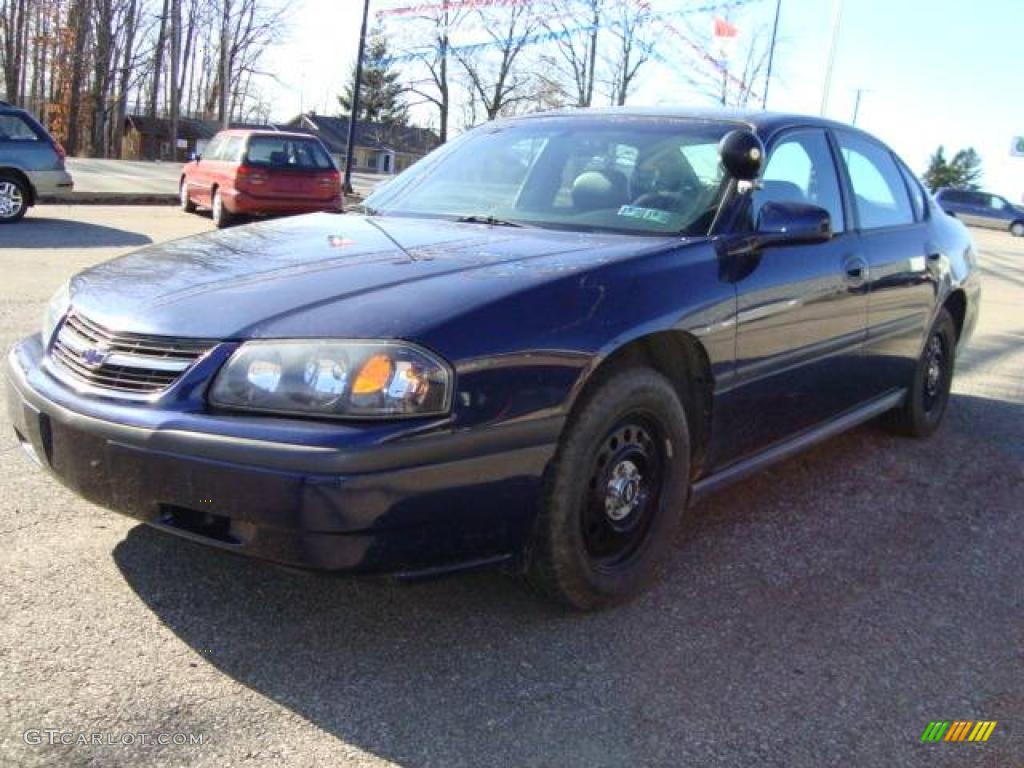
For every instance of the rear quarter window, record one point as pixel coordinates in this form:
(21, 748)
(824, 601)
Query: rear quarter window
(16, 128)
(918, 200)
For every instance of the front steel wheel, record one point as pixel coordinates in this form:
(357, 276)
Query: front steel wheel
(624, 490)
(615, 492)
(13, 199)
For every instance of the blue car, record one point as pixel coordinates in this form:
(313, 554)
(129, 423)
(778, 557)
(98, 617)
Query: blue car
(982, 209)
(537, 348)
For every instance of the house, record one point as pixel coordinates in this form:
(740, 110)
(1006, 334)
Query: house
(148, 138)
(379, 148)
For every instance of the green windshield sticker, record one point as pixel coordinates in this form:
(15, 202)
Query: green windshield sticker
(647, 214)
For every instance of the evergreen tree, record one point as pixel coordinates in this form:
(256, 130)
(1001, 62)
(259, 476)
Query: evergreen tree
(380, 98)
(963, 172)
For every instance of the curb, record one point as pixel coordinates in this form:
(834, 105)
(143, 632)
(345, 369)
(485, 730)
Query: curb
(110, 198)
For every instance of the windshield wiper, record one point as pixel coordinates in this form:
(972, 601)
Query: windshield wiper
(489, 220)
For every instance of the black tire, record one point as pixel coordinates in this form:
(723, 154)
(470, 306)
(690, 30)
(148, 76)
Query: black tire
(1017, 229)
(604, 528)
(14, 199)
(221, 215)
(184, 201)
(928, 396)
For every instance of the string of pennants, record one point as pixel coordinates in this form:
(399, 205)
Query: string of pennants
(419, 53)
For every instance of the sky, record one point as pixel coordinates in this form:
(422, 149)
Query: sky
(933, 72)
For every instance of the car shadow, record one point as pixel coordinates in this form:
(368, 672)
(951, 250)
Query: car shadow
(800, 609)
(44, 232)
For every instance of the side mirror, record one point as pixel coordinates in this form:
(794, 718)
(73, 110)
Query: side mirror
(742, 154)
(792, 224)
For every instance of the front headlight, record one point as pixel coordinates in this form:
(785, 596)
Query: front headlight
(55, 311)
(342, 379)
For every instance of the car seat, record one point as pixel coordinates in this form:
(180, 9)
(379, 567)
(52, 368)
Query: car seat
(596, 190)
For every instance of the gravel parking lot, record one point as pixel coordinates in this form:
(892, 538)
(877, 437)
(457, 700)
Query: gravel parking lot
(821, 613)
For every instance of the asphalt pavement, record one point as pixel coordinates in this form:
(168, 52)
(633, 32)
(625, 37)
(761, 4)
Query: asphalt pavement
(126, 177)
(821, 613)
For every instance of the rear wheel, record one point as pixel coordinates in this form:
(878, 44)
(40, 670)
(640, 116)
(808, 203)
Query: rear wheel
(186, 203)
(1017, 229)
(928, 396)
(616, 492)
(13, 199)
(221, 216)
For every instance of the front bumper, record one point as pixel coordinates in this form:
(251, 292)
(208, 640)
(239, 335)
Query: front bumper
(321, 499)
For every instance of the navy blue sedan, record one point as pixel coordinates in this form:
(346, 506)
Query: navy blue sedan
(536, 348)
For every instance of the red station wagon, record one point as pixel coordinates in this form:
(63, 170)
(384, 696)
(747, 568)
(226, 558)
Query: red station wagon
(246, 172)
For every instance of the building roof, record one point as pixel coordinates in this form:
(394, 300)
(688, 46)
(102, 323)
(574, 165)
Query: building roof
(333, 131)
(188, 127)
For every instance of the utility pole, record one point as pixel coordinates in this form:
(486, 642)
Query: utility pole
(225, 66)
(856, 104)
(175, 66)
(837, 15)
(771, 54)
(354, 111)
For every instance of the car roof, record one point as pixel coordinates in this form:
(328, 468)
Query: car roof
(759, 121)
(266, 132)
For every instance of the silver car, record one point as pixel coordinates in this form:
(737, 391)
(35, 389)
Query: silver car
(31, 164)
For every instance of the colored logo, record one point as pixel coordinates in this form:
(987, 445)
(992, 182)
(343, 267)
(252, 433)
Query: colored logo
(94, 357)
(958, 730)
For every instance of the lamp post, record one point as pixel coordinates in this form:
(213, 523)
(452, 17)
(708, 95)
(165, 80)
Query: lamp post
(354, 111)
(837, 16)
(856, 104)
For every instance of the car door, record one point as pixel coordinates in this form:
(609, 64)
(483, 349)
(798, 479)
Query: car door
(801, 309)
(1000, 211)
(222, 171)
(895, 239)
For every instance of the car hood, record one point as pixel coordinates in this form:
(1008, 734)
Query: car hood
(327, 274)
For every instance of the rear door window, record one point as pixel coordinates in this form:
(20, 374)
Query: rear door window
(878, 188)
(212, 150)
(231, 150)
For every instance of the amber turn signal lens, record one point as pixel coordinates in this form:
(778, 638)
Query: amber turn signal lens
(373, 376)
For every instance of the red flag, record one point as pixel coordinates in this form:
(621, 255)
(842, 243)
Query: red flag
(724, 29)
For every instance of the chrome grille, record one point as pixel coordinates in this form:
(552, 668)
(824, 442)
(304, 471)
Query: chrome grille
(128, 363)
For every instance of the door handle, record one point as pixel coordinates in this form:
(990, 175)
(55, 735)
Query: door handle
(934, 256)
(855, 271)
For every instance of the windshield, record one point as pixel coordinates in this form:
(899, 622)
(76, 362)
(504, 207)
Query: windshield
(637, 175)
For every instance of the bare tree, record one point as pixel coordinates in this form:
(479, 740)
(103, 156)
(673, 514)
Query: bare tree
(575, 45)
(632, 32)
(494, 75)
(442, 21)
(14, 15)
